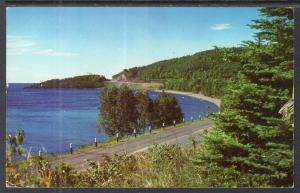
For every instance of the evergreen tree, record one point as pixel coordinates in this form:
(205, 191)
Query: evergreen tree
(167, 110)
(251, 145)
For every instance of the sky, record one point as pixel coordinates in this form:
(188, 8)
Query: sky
(59, 42)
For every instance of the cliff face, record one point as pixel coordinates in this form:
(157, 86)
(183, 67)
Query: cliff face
(122, 78)
(128, 75)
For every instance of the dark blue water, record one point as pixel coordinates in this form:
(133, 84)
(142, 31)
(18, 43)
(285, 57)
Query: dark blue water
(53, 118)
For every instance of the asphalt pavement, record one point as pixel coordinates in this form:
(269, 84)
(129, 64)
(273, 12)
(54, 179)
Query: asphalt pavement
(178, 135)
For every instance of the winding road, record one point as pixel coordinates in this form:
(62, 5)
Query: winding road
(178, 135)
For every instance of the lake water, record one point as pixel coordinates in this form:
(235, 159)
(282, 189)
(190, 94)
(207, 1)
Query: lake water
(53, 118)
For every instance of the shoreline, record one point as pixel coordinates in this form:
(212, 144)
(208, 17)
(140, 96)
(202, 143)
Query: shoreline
(110, 141)
(190, 94)
(195, 95)
(154, 87)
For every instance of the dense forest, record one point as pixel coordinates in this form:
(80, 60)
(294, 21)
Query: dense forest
(207, 72)
(84, 81)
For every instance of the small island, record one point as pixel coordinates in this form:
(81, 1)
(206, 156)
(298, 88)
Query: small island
(84, 81)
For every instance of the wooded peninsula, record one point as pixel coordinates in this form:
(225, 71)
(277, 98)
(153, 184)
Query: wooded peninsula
(84, 81)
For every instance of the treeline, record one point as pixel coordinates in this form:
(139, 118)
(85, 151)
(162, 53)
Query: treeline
(207, 72)
(123, 110)
(84, 81)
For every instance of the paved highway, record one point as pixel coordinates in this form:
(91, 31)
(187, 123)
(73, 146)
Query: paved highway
(180, 136)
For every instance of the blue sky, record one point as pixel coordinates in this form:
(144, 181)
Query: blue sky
(58, 42)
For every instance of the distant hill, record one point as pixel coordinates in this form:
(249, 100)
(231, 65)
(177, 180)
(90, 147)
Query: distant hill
(207, 72)
(84, 81)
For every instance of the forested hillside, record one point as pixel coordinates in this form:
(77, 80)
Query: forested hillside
(207, 72)
(84, 81)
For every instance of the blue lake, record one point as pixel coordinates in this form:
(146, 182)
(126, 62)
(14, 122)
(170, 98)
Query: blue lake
(54, 118)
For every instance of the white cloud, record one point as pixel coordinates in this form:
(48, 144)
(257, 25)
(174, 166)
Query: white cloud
(20, 45)
(51, 52)
(221, 26)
